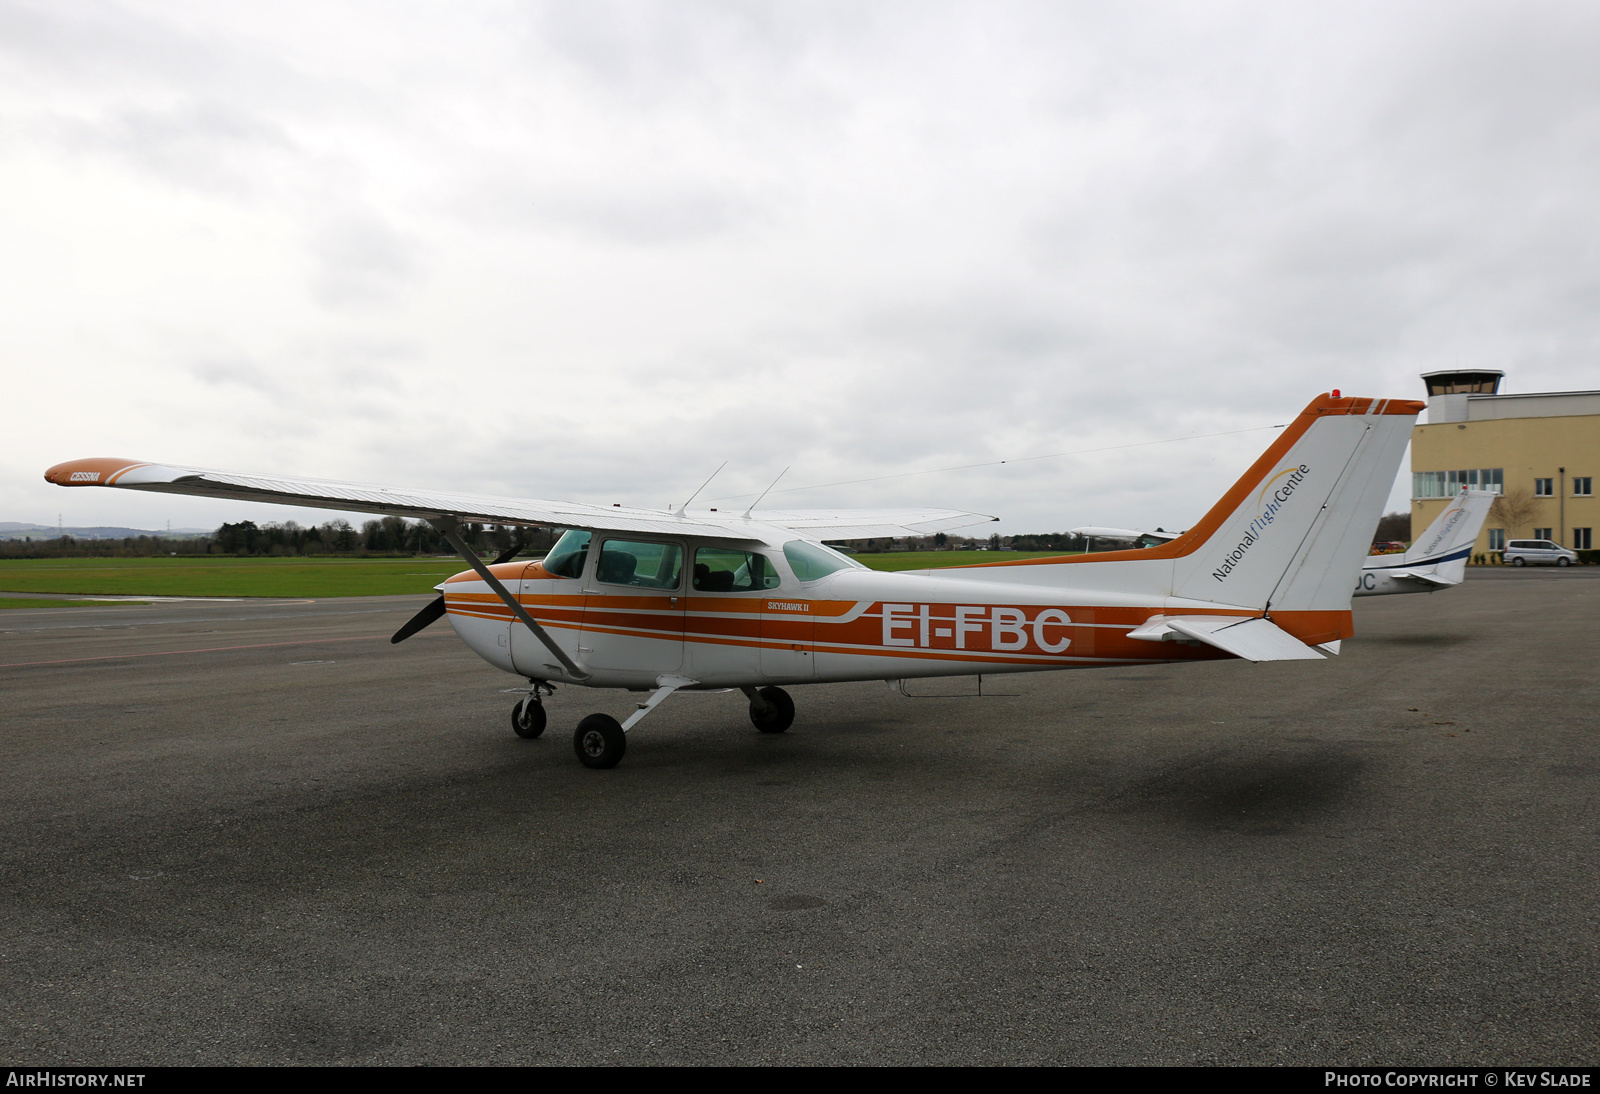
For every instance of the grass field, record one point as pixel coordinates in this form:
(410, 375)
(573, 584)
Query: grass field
(929, 560)
(314, 577)
(307, 577)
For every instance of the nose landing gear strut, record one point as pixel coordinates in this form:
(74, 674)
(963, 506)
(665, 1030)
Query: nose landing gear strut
(527, 717)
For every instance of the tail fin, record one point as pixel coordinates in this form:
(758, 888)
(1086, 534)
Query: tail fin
(1447, 543)
(1294, 528)
(1286, 539)
(1438, 557)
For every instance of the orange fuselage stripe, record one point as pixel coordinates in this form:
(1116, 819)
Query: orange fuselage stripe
(1014, 634)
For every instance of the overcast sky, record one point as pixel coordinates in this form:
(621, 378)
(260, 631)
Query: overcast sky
(590, 250)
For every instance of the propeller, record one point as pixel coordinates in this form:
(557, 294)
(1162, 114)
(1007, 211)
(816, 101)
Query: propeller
(435, 608)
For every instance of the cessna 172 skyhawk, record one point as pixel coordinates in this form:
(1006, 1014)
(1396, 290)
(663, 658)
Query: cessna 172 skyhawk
(660, 601)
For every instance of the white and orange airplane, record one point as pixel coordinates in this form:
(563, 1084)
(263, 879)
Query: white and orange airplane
(662, 601)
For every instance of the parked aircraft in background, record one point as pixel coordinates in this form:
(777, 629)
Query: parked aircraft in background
(1437, 559)
(1123, 535)
(662, 601)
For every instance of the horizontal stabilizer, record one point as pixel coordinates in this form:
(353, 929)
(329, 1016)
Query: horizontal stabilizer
(1425, 578)
(1253, 639)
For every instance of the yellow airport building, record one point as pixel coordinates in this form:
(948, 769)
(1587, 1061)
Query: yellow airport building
(1540, 451)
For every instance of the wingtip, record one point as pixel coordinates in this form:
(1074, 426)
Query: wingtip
(97, 471)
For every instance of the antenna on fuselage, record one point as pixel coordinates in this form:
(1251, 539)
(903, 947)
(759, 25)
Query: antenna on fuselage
(703, 485)
(767, 491)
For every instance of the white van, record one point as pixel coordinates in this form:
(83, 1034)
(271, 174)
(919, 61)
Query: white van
(1541, 552)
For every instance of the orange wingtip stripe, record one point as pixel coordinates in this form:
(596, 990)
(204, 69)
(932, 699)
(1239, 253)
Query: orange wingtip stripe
(99, 471)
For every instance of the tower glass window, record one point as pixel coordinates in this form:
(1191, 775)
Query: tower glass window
(1472, 381)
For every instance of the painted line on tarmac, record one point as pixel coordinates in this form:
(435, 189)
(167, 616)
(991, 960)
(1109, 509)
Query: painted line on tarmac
(207, 649)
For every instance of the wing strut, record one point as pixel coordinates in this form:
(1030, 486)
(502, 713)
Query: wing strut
(447, 528)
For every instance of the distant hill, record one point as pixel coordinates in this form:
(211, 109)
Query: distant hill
(13, 530)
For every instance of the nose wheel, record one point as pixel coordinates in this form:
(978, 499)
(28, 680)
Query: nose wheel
(528, 718)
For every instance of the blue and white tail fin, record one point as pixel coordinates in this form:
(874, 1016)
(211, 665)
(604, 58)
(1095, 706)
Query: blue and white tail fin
(1437, 558)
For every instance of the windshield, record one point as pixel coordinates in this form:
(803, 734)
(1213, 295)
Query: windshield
(809, 561)
(567, 556)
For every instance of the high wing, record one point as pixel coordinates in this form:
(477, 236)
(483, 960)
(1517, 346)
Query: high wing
(867, 523)
(436, 505)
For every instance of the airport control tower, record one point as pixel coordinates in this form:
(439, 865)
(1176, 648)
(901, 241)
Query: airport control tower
(1541, 450)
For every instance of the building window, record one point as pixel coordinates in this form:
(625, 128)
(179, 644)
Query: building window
(1543, 488)
(1583, 487)
(1447, 484)
(1582, 540)
(1497, 539)
(1542, 533)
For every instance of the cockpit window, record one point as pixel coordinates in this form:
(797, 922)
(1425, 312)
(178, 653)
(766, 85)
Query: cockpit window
(810, 561)
(650, 565)
(719, 570)
(566, 558)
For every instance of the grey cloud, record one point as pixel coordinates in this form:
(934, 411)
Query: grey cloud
(238, 372)
(198, 146)
(648, 51)
(643, 213)
(362, 263)
(132, 51)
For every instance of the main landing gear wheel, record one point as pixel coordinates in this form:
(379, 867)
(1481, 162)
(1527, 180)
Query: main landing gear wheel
(528, 718)
(599, 741)
(777, 715)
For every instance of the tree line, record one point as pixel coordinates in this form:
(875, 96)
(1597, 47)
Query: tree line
(386, 536)
(393, 536)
